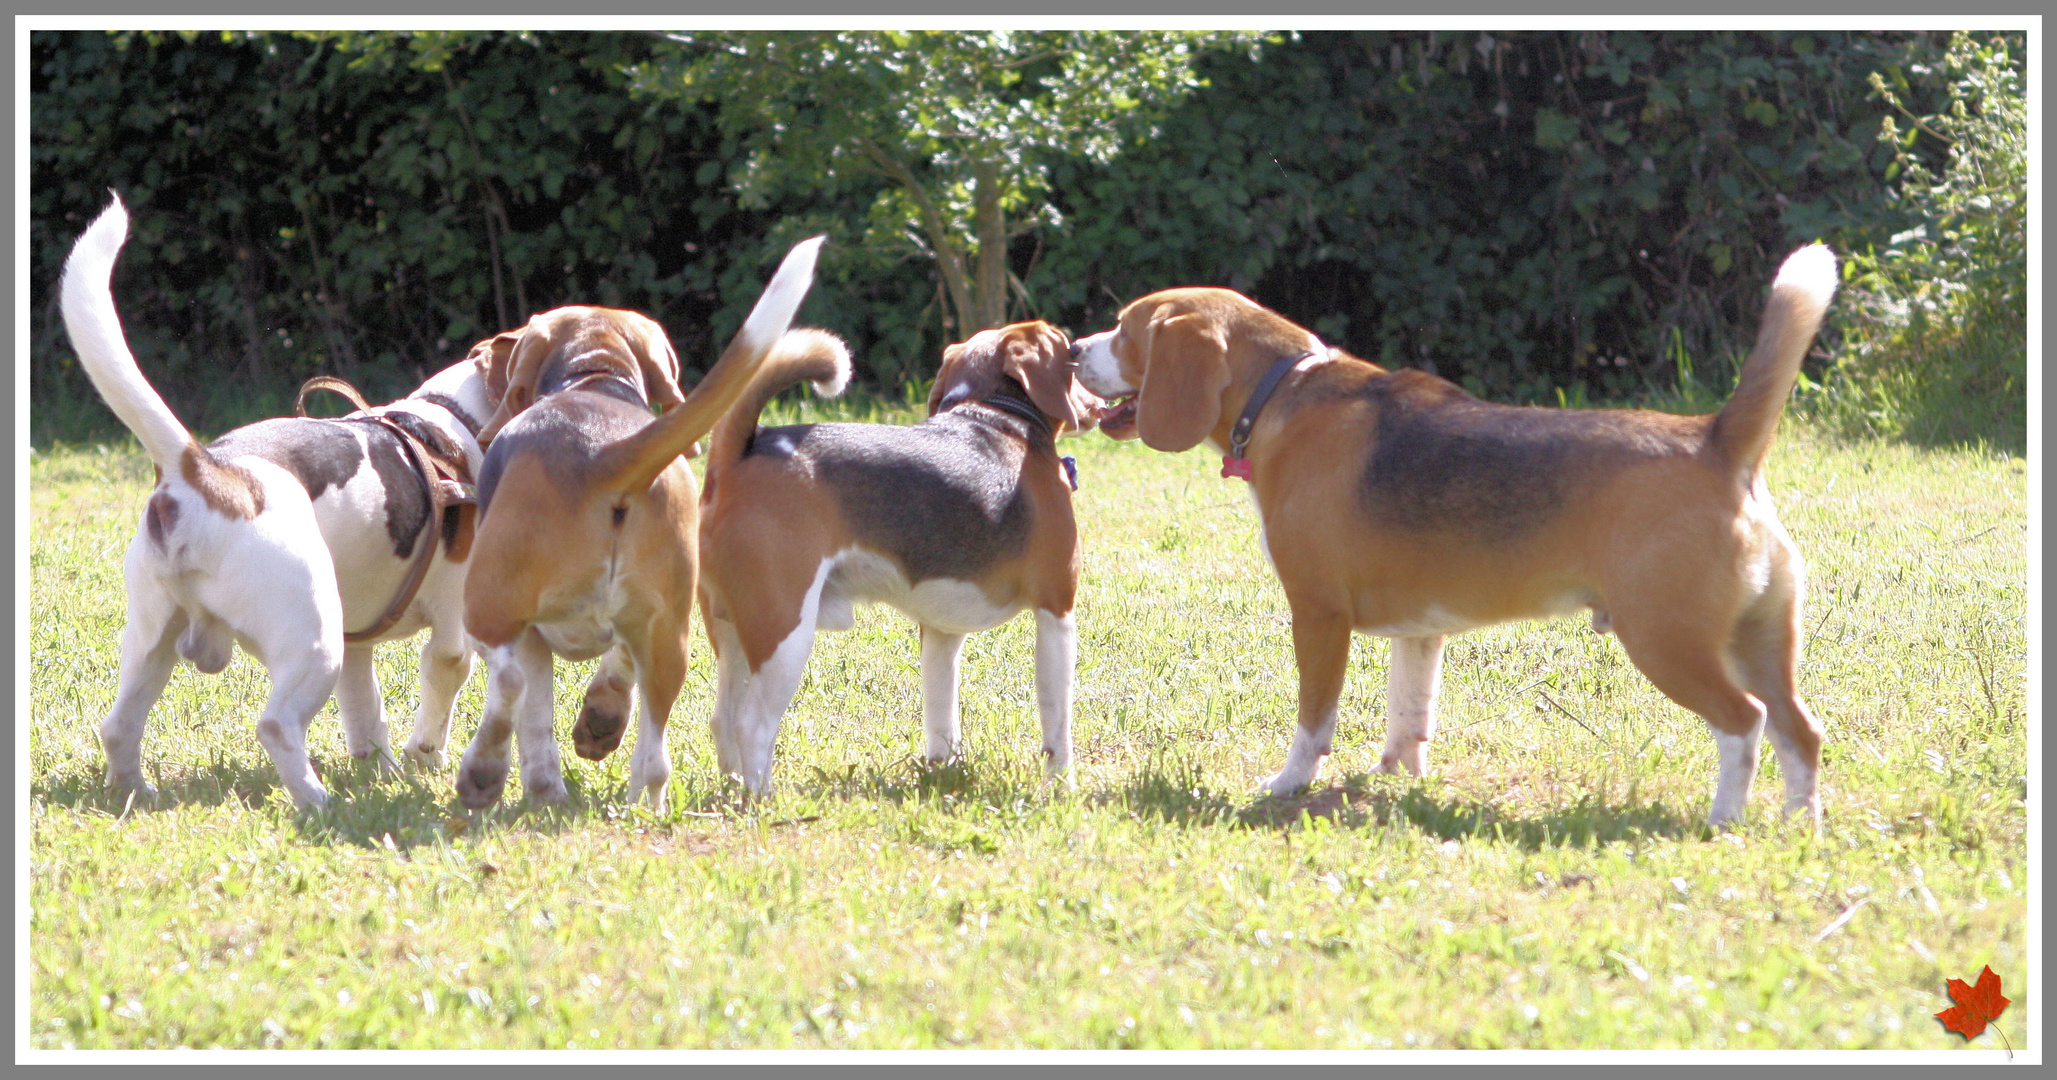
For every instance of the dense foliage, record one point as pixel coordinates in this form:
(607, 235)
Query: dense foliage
(959, 125)
(1937, 343)
(1534, 213)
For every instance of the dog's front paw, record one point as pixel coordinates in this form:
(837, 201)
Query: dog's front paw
(424, 756)
(1286, 781)
(479, 784)
(598, 731)
(382, 760)
(545, 790)
(131, 791)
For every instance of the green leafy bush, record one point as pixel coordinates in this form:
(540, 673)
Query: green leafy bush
(1543, 216)
(1935, 339)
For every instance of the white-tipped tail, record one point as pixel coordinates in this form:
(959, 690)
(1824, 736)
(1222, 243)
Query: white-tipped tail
(95, 331)
(826, 349)
(815, 357)
(1799, 298)
(775, 309)
(1812, 269)
(634, 462)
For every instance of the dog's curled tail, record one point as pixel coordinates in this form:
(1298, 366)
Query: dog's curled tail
(95, 331)
(803, 355)
(1799, 297)
(633, 463)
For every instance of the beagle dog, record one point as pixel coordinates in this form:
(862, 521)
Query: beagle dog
(961, 521)
(293, 537)
(587, 519)
(1396, 505)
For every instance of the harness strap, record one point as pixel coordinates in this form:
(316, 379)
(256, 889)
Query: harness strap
(447, 483)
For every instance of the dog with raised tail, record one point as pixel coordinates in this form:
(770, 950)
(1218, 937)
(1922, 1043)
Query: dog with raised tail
(1396, 505)
(588, 517)
(295, 538)
(962, 521)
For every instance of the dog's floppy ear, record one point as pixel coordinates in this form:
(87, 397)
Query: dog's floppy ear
(523, 367)
(658, 361)
(1039, 358)
(1180, 400)
(947, 375)
(493, 357)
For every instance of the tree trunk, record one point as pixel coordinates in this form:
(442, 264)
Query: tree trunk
(991, 228)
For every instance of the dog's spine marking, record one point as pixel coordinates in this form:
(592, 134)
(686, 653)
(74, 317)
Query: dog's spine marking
(95, 330)
(633, 464)
(1799, 297)
(809, 355)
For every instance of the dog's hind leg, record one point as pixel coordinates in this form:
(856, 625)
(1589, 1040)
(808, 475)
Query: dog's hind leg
(362, 708)
(732, 680)
(1766, 648)
(293, 626)
(148, 654)
(1412, 683)
(1321, 648)
(940, 653)
(603, 720)
(482, 771)
(1056, 661)
(445, 664)
(1684, 658)
(535, 728)
(300, 685)
(660, 671)
(770, 691)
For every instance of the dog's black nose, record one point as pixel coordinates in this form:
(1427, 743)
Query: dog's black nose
(1074, 350)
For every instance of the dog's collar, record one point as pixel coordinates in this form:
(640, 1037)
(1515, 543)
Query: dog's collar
(1234, 463)
(1022, 409)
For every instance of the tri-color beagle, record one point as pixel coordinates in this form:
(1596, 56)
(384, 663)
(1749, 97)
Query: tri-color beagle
(587, 522)
(294, 537)
(1396, 505)
(961, 521)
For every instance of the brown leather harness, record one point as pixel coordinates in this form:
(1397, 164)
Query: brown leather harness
(447, 480)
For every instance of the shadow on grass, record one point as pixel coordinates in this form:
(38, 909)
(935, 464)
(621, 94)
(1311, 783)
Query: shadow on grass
(365, 809)
(1176, 794)
(415, 808)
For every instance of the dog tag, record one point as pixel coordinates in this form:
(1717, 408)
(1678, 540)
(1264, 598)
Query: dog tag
(1070, 471)
(1238, 467)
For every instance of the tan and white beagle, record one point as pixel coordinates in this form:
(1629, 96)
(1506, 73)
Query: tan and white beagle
(961, 521)
(586, 533)
(296, 538)
(1396, 505)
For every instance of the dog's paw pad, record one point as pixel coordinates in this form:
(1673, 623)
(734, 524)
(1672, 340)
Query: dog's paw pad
(598, 733)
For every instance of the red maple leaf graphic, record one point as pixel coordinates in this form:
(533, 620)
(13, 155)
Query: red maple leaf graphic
(1976, 1005)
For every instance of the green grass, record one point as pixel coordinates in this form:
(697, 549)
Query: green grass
(1551, 886)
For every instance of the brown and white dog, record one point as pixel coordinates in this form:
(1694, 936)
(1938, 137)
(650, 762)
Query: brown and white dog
(1396, 505)
(281, 536)
(961, 521)
(587, 522)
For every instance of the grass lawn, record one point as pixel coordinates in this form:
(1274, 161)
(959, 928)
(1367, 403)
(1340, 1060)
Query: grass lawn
(1551, 886)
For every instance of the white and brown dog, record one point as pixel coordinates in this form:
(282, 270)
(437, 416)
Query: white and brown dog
(587, 521)
(1396, 505)
(961, 521)
(282, 536)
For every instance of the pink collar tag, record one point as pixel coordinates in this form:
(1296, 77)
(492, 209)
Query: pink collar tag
(1235, 466)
